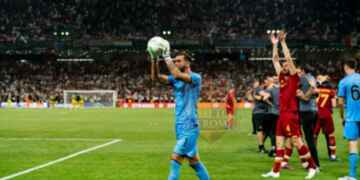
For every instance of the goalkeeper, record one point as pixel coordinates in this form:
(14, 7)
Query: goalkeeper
(187, 85)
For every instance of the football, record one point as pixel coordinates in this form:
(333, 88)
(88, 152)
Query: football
(156, 45)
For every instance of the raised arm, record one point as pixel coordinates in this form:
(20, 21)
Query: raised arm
(161, 77)
(174, 71)
(275, 58)
(286, 51)
(152, 70)
(155, 72)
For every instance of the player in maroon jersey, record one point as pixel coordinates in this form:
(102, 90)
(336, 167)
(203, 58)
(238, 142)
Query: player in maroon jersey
(325, 122)
(230, 105)
(288, 125)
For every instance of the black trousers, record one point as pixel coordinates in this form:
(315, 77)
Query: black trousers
(308, 121)
(266, 123)
(270, 127)
(260, 121)
(253, 124)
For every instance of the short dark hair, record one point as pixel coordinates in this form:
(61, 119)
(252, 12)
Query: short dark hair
(304, 67)
(351, 63)
(186, 55)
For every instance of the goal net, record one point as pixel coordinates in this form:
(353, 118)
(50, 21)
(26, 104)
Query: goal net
(90, 98)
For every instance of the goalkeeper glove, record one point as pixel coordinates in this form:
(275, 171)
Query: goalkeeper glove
(166, 50)
(152, 53)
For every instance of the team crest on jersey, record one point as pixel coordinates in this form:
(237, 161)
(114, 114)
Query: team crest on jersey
(283, 82)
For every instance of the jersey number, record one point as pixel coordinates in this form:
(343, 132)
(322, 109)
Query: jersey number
(324, 98)
(355, 92)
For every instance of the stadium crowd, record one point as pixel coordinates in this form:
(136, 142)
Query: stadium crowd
(41, 81)
(32, 20)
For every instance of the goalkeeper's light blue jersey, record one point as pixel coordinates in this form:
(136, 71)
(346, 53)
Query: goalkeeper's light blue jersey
(186, 97)
(349, 89)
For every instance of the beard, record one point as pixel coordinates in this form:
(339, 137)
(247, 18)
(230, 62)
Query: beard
(182, 69)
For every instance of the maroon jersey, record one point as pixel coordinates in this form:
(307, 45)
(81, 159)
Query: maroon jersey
(324, 99)
(288, 86)
(229, 99)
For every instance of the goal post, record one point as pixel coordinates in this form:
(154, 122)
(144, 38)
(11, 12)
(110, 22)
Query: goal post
(90, 98)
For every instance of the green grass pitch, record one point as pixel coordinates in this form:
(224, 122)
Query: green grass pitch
(148, 140)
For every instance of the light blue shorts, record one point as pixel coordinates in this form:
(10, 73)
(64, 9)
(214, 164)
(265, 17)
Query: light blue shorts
(186, 142)
(352, 130)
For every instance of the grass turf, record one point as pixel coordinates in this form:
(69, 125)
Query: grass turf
(148, 140)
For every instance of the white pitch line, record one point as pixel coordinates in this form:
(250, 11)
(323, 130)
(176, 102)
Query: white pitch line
(60, 160)
(55, 139)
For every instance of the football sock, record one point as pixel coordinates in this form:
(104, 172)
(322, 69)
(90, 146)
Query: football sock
(353, 158)
(174, 170)
(332, 145)
(200, 170)
(278, 159)
(261, 147)
(305, 156)
(288, 153)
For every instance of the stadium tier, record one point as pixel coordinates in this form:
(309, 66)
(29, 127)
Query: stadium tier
(39, 20)
(141, 89)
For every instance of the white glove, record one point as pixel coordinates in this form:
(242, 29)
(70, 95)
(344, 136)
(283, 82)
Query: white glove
(166, 50)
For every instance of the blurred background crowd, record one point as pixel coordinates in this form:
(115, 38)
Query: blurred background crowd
(24, 20)
(334, 26)
(130, 77)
